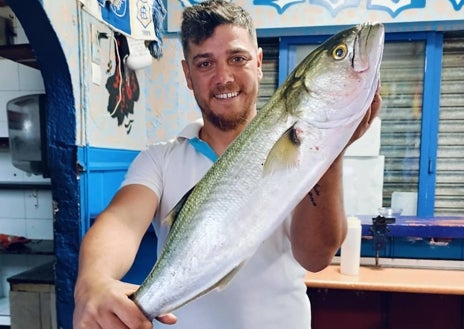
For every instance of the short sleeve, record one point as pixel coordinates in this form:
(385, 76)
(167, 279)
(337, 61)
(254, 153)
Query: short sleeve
(146, 169)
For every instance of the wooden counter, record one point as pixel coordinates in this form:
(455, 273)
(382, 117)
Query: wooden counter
(33, 298)
(388, 279)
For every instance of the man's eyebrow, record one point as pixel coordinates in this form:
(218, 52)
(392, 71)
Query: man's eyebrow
(238, 50)
(201, 56)
(232, 51)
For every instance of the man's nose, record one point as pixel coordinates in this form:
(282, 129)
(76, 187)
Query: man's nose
(224, 74)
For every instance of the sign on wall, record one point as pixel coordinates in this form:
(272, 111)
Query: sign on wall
(272, 14)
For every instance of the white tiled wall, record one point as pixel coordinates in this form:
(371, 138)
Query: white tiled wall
(26, 213)
(22, 212)
(19, 203)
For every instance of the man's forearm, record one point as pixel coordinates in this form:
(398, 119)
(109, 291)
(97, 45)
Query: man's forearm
(319, 224)
(107, 249)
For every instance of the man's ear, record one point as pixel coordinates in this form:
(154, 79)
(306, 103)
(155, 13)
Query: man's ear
(259, 61)
(186, 69)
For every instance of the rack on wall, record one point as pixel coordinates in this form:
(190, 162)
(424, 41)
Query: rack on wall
(21, 53)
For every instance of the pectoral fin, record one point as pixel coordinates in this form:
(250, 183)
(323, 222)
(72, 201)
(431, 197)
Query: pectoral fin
(285, 153)
(225, 280)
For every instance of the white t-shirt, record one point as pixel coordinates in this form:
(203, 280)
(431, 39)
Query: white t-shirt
(268, 292)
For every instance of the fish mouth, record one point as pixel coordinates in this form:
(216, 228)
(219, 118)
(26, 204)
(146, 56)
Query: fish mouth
(369, 39)
(227, 95)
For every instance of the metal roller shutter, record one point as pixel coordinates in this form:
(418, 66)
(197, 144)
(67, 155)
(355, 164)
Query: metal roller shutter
(449, 191)
(270, 69)
(402, 74)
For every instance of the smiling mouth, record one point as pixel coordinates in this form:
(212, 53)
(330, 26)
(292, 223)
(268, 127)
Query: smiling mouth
(227, 95)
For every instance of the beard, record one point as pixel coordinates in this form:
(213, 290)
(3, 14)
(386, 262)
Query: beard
(223, 122)
(227, 121)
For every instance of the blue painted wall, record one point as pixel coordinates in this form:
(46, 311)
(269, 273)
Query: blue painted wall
(101, 173)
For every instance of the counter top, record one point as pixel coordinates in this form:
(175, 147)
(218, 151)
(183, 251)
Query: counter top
(33, 247)
(43, 274)
(392, 279)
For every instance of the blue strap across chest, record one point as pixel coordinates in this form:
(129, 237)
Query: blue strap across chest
(203, 148)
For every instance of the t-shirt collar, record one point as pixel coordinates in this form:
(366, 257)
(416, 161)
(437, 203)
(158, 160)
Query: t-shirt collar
(192, 133)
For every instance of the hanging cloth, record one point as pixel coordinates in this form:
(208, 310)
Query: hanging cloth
(137, 19)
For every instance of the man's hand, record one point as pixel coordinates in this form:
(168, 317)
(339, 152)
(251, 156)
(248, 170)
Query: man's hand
(368, 117)
(105, 304)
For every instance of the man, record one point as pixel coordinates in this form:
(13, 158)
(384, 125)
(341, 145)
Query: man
(223, 68)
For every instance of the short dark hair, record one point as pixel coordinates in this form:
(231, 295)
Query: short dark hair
(200, 20)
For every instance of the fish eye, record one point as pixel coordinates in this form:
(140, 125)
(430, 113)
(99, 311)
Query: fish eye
(339, 52)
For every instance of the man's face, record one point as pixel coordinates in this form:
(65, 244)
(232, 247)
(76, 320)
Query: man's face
(224, 73)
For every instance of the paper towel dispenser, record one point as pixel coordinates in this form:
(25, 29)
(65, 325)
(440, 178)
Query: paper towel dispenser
(27, 122)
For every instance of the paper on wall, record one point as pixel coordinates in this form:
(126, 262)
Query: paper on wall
(369, 143)
(363, 184)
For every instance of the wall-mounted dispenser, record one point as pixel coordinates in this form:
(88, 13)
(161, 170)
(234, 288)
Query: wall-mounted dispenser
(27, 133)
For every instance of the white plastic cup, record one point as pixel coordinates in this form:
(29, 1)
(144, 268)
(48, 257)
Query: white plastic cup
(350, 254)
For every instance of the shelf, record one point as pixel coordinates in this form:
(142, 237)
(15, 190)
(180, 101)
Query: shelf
(24, 186)
(22, 54)
(414, 226)
(19, 53)
(4, 142)
(34, 247)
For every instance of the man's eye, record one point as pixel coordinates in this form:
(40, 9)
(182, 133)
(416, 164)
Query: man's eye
(238, 59)
(204, 64)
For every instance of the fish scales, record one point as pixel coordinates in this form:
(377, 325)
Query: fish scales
(267, 170)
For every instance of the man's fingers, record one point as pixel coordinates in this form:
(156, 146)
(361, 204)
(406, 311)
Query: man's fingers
(167, 318)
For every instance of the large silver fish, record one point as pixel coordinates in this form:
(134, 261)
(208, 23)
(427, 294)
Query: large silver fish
(267, 170)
